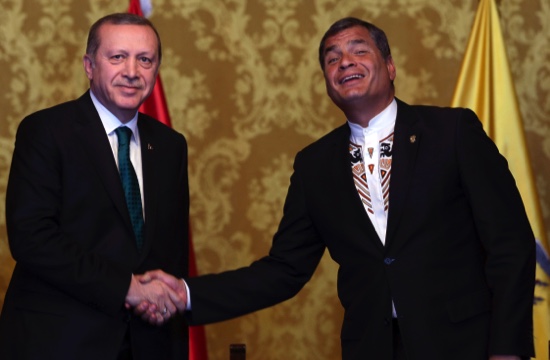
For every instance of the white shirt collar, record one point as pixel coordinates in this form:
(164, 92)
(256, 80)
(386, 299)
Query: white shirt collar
(385, 119)
(110, 121)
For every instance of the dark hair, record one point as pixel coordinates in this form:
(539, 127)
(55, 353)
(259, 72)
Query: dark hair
(375, 32)
(118, 19)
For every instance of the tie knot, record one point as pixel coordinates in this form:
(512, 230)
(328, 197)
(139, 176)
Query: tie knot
(124, 134)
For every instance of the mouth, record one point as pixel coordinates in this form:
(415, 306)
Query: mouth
(351, 78)
(129, 86)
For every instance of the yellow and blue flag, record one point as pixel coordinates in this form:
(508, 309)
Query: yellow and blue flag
(485, 85)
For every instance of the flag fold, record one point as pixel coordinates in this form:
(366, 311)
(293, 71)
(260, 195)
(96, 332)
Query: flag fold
(485, 85)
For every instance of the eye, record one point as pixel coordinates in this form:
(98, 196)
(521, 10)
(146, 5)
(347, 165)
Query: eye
(116, 58)
(145, 61)
(331, 59)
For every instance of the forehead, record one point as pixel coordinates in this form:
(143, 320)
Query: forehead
(349, 36)
(140, 37)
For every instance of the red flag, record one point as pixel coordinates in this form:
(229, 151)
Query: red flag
(197, 336)
(156, 106)
(135, 8)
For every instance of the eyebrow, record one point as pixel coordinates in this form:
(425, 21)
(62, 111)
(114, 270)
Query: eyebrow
(329, 49)
(357, 41)
(351, 42)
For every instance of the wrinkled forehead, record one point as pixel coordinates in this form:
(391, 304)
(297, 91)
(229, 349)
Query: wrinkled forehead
(128, 31)
(356, 35)
(129, 39)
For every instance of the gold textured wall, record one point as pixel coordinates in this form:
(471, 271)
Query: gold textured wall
(243, 84)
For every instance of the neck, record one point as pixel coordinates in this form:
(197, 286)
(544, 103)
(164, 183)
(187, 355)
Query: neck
(361, 113)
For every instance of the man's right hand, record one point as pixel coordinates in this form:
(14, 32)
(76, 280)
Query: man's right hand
(154, 300)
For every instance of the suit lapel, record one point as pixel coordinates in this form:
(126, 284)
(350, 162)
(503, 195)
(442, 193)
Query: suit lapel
(150, 161)
(407, 139)
(92, 136)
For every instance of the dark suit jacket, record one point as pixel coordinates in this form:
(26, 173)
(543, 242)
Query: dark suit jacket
(70, 233)
(459, 256)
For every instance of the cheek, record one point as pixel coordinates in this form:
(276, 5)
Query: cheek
(329, 87)
(150, 78)
(104, 77)
(329, 82)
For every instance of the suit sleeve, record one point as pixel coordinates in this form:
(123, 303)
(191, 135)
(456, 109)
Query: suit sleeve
(506, 235)
(294, 255)
(38, 240)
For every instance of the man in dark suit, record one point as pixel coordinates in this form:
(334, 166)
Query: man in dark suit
(76, 240)
(417, 207)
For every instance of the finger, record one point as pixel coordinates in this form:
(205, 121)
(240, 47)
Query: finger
(177, 302)
(167, 306)
(143, 278)
(168, 279)
(152, 307)
(166, 314)
(160, 319)
(168, 309)
(153, 318)
(141, 308)
(169, 303)
(166, 298)
(154, 274)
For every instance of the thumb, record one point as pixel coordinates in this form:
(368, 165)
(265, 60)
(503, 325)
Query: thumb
(144, 278)
(178, 299)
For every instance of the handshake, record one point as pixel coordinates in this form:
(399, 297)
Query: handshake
(156, 296)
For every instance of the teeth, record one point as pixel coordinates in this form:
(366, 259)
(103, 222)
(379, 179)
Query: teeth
(357, 76)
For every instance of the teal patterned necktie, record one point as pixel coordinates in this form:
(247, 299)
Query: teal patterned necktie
(130, 182)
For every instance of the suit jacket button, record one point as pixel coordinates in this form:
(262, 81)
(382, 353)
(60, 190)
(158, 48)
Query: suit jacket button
(388, 261)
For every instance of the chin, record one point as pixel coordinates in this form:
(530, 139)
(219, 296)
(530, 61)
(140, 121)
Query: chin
(352, 97)
(128, 104)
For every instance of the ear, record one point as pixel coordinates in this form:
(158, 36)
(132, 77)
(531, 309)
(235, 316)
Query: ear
(391, 68)
(88, 66)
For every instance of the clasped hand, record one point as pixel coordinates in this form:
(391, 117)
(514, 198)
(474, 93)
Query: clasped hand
(156, 296)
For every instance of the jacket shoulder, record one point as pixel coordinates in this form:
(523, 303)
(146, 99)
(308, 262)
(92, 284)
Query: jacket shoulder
(430, 109)
(433, 111)
(336, 136)
(60, 112)
(155, 128)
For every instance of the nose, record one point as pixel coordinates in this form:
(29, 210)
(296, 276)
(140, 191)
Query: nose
(346, 61)
(130, 68)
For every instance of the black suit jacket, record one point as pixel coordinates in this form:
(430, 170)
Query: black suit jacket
(459, 256)
(70, 233)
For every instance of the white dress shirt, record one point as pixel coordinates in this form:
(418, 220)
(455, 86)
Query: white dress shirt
(111, 123)
(380, 130)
